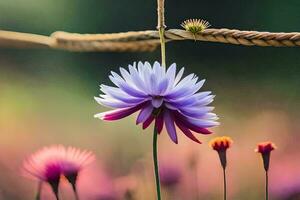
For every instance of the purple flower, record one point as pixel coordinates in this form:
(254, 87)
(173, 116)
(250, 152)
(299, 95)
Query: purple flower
(161, 96)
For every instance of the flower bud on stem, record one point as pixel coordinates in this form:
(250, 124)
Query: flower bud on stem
(265, 149)
(221, 144)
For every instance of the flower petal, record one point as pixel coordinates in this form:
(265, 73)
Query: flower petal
(203, 122)
(170, 126)
(179, 75)
(186, 131)
(112, 103)
(118, 113)
(147, 71)
(126, 76)
(188, 89)
(185, 88)
(195, 112)
(182, 102)
(136, 78)
(159, 122)
(170, 75)
(120, 95)
(153, 84)
(193, 127)
(158, 70)
(118, 81)
(162, 86)
(144, 114)
(148, 122)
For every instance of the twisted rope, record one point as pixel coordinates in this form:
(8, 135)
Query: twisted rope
(143, 40)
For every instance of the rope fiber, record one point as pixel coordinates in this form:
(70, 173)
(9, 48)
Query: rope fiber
(142, 41)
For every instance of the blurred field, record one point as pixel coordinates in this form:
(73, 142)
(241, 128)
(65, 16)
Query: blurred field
(46, 98)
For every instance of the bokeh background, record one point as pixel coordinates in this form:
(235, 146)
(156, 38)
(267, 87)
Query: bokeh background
(46, 97)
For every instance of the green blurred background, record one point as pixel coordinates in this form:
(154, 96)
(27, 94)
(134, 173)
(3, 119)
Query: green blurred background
(46, 96)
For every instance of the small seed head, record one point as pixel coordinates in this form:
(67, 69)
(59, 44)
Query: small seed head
(195, 26)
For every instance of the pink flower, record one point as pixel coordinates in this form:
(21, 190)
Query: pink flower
(284, 178)
(74, 160)
(170, 175)
(50, 163)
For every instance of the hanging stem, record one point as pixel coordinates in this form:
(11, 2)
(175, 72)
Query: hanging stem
(39, 189)
(225, 184)
(155, 160)
(161, 29)
(75, 192)
(267, 185)
(56, 196)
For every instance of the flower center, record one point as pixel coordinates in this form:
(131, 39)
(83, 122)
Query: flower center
(157, 101)
(157, 97)
(53, 172)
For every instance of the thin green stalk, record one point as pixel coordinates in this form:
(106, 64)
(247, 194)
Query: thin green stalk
(267, 185)
(161, 29)
(155, 161)
(225, 184)
(38, 193)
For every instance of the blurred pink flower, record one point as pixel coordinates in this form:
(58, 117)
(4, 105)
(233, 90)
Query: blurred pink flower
(285, 181)
(45, 165)
(50, 163)
(170, 174)
(74, 160)
(126, 186)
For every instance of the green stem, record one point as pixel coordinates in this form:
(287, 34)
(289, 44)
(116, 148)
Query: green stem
(155, 161)
(267, 185)
(38, 193)
(225, 184)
